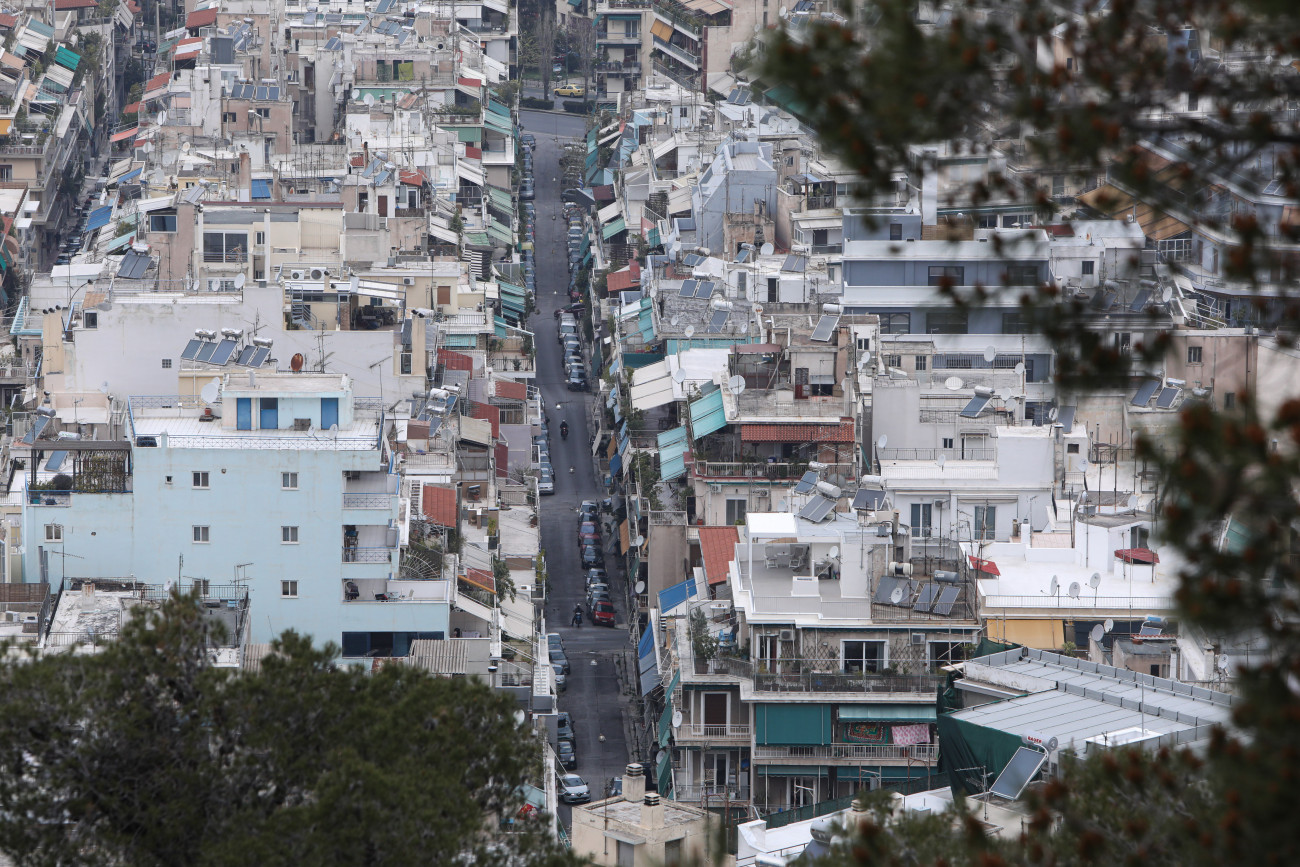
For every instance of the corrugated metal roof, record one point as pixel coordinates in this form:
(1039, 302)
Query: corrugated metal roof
(448, 657)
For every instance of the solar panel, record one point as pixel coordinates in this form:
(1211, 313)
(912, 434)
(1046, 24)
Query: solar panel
(704, 289)
(37, 428)
(734, 95)
(715, 324)
(929, 593)
(246, 355)
(826, 326)
(55, 461)
(334, 44)
(1065, 418)
(794, 263)
(259, 356)
(817, 509)
(868, 499)
(273, 93)
(807, 483)
(1147, 629)
(885, 591)
(1144, 392)
(133, 265)
(382, 178)
(1167, 397)
(743, 256)
(223, 352)
(191, 349)
(745, 96)
(261, 93)
(947, 598)
(693, 259)
(1022, 768)
(205, 351)
(976, 406)
(1140, 301)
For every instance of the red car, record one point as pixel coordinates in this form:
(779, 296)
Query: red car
(601, 612)
(588, 534)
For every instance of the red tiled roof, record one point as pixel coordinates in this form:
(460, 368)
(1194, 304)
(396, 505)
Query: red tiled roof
(157, 83)
(133, 108)
(619, 281)
(60, 5)
(988, 567)
(358, 161)
(455, 360)
(502, 453)
(7, 20)
(487, 412)
(1138, 555)
(804, 432)
(718, 545)
(481, 578)
(201, 18)
(603, 193)
(439, 505)
(412, 177)
(511, 390)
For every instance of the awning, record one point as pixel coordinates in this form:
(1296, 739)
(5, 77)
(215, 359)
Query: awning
(887, 712)
(609, 212)
(124, 134)
(1142, 556)
(756, 348)
(1119, 205)
(469, 173)
(707, 414)
(988, 567)
(480, 578)
(99, 218)
(613, 229)
(500, 199)
(1039, 634)
(798, 432)
(652, 386)
(662, 29)
(671, 597)
(378, 290)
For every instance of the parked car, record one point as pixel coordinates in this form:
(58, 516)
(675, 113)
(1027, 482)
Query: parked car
(554, 641)
(564, 726)
(597, 593)
(573, 788)
(558, 658)
(528, 140)
(597, 576)
(576, 382)
(588, 533)
(570, 90)
(592, 558)
(546, 482)
(568, 756)
(589, 510)
(561, 680)
(526, 191)
(601, 612)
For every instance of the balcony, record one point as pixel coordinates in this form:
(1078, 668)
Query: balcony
(962, 454)
(604, 36)
(712, 733)
(372, 590)
(713, 795)
(859, 684)
(355, 554)
(613, 67)
(605, 5)
(770, 472)
(368, 501)
(233, 257)
(852, 753)
(678, 52)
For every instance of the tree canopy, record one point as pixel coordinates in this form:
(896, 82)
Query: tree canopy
(146, 754)
(1083, 86)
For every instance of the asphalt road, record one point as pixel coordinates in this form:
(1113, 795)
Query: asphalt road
(592, 696)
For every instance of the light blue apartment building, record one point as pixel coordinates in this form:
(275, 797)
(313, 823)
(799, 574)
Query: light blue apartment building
(284, 483)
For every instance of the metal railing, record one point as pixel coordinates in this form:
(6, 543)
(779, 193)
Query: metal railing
(688, 81)
(971, 454)
(62, 499)
(368, 555)
(368, 501)
(851, 752)
(772, 472)
(622, 4)
(714, 794)
(231, 258)
(1145, 604)
(685, 55)
(920, 684)
(954, 416)
(705, 730)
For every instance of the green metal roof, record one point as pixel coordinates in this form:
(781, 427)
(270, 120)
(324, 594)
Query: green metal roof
(613, 228)
(887, 712)
(66, 57)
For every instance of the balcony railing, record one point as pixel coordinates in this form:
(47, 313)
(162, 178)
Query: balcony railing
(921, 684)
(606, 36)
(367, 555)
(368, 501)
(704, 730)
(927, 753)
(715, 795)
(971, 454)
(616, 68)
(233, 258)
(826, 249)
(622, 4)
(769, 472)
(685, 55)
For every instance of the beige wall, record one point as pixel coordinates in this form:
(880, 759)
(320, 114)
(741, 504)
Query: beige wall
(1228, 361)
(596, 838)
(1278, 378)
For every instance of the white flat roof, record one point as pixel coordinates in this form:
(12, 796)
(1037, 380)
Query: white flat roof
(771, 525)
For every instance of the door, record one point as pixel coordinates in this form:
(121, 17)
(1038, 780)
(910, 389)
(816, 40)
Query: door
(244, 413)
(270, 419)
(715, 708)
(329, 412)
(383, 206)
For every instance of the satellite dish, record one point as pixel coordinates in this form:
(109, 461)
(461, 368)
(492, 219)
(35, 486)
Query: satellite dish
(953, 383)
(369, 99)
(162, 117)
(767, 249)
(640, 540)
(103, 386)
(639, 588)
(1095, 581)
(834, 552)
(1006, 394)
(942, 459)
(1108, 625)
(990, 353)
(679, 375)
(783, 12)
(296, 363)
(1053, 414)
(185, 147)
(677, 719)
(1097, 633)
(210, 392)
(864, 360)
(356, 94)
(737, 383)
(240, 280)
(1054, 587)
(674, 320)
(1083, 465)
(896, 595)
(147, 148)
(882, 441)
(690, 331)
(1073, 592)
(1020, 368)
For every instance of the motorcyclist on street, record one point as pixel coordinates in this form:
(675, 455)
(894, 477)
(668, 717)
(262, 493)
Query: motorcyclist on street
(577, 616)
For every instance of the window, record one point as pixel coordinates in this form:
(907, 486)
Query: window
(6, 173)
(289, 589)
(1139, 537)
(1022, 275)
(672, 853)
(1058, 186)
(289, 535)
(1071, 448)
(947, 442)
(895, 231)
(921, 362)
(162, 222)
(1230, 400)
(53, 532)
(947, 275)
(864, 656)
(90, 320)
(945, 321)
(1193, 355)
(200, 479)
(201, 533)
(1088, 267)
(920, 520)
(405, 364)
(225, 246)
(1016, 221)
(895, 323)
(986, 520)
(987, 221)
(1015, 322)
(166, 364)
(735, 511)
(945, 653)
(863, 344)
(893, 361)
(259, 238)
(684, 111)
(263, 113)
(1193, 102)
(227, 117)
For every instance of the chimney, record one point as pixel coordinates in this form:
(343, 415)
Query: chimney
(365, 155)
(245, 191)
(634, 783)
(652, 812)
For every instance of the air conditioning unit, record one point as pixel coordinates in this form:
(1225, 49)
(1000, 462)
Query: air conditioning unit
(408, 281)
(295, 275)
(716, 489)
(787, 635)
(317, 274)
(918, 638)
(302, 424)
(900, 570)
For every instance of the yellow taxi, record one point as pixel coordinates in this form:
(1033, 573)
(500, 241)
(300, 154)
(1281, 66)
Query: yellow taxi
(570, 90)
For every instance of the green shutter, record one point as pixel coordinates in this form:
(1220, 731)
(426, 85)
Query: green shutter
(887, 713)
(793, 724)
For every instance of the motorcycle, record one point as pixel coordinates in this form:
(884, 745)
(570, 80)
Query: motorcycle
(577, 616)
(564, 430)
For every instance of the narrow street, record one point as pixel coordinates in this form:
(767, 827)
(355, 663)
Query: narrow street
(593, 696)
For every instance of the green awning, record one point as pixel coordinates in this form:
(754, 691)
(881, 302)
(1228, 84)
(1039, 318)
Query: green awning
(792, 771)
(500, 199)
(665, 775)
(119, 242)
(66, 57)
(784, 97)
(512, 289)
(511, 303)
(501, 326)
(613, 228)
(498, 108)
(477, 239)
(887, 712)
(792, 724)
(469, 134)
(460, 341)
(499, 123)
(707, 414)
(636, 360)
(500, 233)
